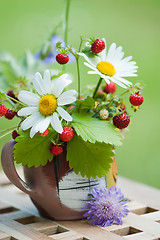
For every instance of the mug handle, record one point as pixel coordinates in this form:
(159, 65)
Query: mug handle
(8, 166)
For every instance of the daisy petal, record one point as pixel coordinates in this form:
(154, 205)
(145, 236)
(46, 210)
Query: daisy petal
(29, 98)
(64, 114)
(43, 124)
(47, 79)
(27, 111)
(38, 86)
(41, 82)
(59, 84)
(31, 120)
(65, 101)
(67, 94)
(56, 124)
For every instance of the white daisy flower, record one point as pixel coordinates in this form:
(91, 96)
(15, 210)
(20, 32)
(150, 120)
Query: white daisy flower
(45, 107)
(110, 66)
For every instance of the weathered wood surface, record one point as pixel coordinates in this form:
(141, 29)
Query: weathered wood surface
(20, 220)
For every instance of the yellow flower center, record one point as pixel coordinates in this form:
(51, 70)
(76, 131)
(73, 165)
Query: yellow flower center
(47, 105)
(106, 68)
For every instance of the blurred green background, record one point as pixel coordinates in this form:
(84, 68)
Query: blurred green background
(135, 25)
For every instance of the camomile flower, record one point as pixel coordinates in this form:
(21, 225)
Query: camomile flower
(111, 66)
(45, 107)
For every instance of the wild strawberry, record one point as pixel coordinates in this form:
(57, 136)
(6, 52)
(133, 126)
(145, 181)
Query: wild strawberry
(62, 58)
(136, 99)
(67, 134)
(70, 107)
(110, 87)
(11, 94)
(3, 110)
(15, 134)
(56, 150)
(103, 114)
(121, 121)
(98, 46)
(44, 133)
(10, 114)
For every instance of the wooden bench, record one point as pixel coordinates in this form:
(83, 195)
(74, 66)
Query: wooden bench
(19, 219)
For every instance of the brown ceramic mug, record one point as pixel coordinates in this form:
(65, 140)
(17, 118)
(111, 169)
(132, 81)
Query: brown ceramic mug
(57, 192)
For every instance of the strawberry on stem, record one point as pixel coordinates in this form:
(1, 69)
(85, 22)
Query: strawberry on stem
(56, 149)
(62, 58)
(3, 110)
(121, 121)
(136, 99)
(98, 46)
(67, 134)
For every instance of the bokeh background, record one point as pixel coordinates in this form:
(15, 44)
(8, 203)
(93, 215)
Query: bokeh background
(135, 25)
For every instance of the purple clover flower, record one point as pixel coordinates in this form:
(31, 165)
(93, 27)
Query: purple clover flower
(51, 58)
(106, 207)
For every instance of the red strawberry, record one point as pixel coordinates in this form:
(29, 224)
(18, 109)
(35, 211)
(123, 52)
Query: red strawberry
(10, 114)
(98, 46)
(67, 134)
(3, 110)
(62, 58)
(15, 134)
(136, 99)
(121, 121)
(44, 133)
(110, 87)
(56, 150)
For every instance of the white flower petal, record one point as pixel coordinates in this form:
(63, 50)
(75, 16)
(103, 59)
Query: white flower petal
(65, 101)
(41, 83)
(56, 124)
(103, 53)
(64, 114)
(67, 94)
(88, 65)
(32, 132)
(31, 120)
(92, 61)
(29, 98)
(27, 111)
(122, 80)
(60, 83)
(38, 86)
(43, 124)
(47, 79)
(118, 83)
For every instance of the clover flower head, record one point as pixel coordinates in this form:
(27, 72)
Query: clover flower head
(106, 207)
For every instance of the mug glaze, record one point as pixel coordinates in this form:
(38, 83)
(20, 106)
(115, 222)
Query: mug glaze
(56, 191)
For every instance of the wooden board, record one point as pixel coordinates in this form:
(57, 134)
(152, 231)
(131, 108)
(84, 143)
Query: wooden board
(20, 220)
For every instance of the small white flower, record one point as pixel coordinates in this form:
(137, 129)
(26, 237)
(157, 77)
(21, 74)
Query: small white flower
(110, 66)
(45, 107)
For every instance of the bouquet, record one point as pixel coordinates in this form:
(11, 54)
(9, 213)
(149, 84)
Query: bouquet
(85, 125)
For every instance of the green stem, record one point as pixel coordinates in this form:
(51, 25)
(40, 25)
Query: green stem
(66, 22)
(97, 87)
(7, 129)
(78, 71)
(13, 99)
(5, 134)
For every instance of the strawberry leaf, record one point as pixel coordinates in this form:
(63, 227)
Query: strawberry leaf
(33, 151)
(89, 159)
(95, 130)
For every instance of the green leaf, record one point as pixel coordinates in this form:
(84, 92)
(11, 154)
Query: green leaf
(93, 129)
(3, 96)
(89, 159)
(33, 151)
(85, 105)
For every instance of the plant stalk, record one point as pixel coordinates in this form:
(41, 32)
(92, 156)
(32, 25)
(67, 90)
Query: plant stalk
(97, 87)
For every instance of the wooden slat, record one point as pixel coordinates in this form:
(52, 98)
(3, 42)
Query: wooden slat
(19, 219)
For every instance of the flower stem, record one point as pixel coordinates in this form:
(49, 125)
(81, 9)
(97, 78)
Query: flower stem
(15, 100)
(78, 71)
(66, 22)
(97, 87)
(4, 130)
